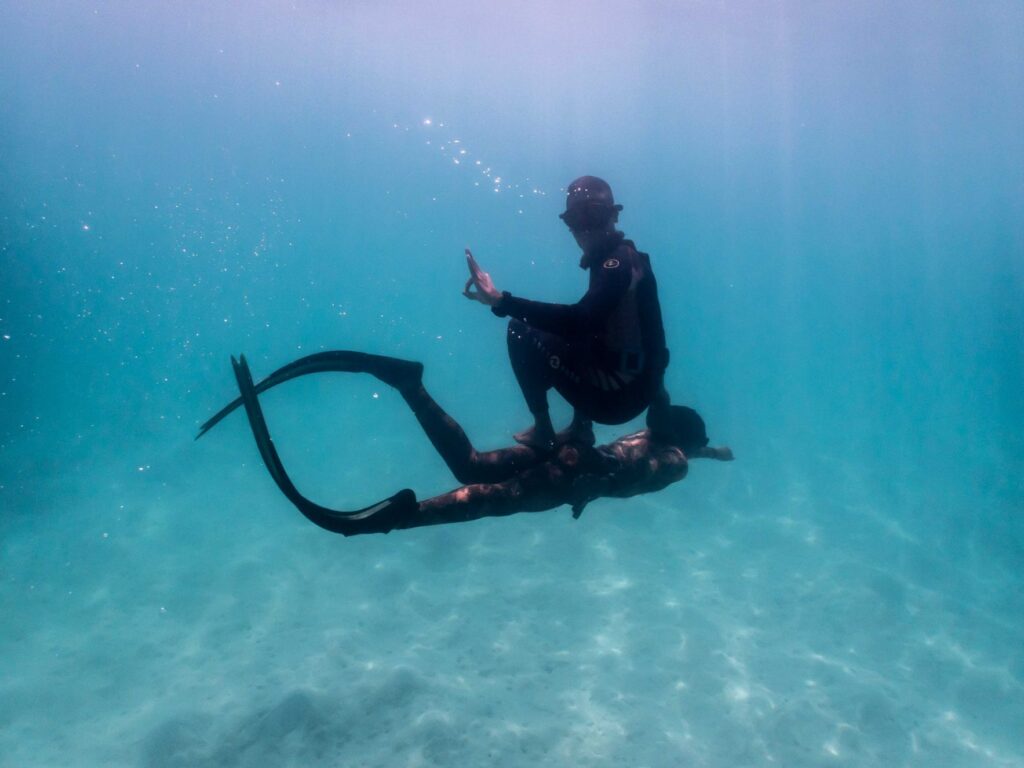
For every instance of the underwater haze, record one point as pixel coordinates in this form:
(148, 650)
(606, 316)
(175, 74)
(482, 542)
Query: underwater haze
(832, 195)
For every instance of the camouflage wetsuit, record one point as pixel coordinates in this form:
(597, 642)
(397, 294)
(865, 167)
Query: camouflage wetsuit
(517, 479)
(497, 483)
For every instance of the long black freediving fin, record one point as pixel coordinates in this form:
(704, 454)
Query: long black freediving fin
(390, 370)
(381, 517)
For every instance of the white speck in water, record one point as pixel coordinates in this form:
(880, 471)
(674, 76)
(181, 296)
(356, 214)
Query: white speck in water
(376, 395)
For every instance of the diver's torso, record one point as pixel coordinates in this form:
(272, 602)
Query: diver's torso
(634, 325)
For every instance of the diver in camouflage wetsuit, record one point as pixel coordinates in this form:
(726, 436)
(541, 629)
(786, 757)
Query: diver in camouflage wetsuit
(497, 483)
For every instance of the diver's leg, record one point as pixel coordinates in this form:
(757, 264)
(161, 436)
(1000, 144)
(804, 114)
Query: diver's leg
(659, 419)
(658, 412)
(539, 437)
(532, 364)
(541, 488)
(444, 433)
(466, 463)
(579, 432)
(600, 393)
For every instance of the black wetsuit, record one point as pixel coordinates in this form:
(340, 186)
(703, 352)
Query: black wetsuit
(606, 354)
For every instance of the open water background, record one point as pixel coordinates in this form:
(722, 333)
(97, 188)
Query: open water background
(833, 198)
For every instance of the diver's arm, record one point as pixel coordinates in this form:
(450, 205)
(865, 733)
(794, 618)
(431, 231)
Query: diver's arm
(722, 453)
(609, 284)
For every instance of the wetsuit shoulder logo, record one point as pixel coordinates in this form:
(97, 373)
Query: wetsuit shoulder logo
(611, 264)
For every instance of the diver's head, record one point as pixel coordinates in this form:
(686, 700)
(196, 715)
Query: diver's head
(685, 428)
(590, 210)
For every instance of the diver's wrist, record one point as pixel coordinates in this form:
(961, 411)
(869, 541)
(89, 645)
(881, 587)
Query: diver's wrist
(500, 307)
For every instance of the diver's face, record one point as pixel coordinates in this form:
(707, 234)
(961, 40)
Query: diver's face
(589, 224)
(587, 239)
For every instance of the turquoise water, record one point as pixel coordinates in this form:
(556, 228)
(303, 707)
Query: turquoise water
(833, 198)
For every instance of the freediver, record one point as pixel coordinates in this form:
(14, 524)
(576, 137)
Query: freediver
(606, 354)
(496, 483)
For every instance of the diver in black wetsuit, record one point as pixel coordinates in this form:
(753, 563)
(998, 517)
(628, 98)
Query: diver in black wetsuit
(497, 483)
(606, 354)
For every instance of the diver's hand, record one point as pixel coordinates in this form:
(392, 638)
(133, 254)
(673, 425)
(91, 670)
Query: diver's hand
(480, 287)
(723, 453)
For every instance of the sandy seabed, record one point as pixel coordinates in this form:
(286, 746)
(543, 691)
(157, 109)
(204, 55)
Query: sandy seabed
(153, 624)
